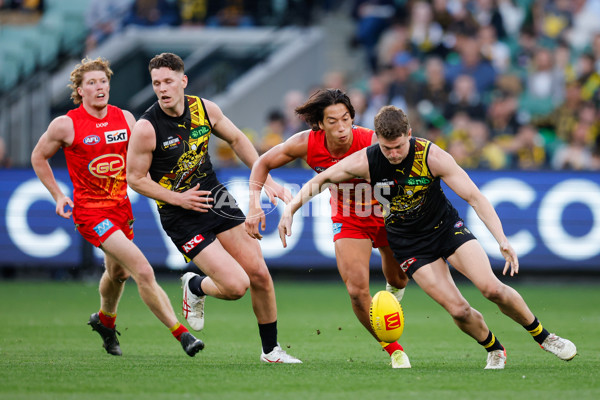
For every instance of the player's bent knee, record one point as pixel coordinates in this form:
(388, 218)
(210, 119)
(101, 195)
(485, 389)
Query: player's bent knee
(460, 312)
(144, 276)
(494, 292)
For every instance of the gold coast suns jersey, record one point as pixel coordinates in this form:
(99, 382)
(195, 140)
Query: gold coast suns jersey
(96, 158)
(181, 159)
(411, 197)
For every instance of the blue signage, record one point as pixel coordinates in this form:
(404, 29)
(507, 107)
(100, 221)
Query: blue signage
(551, 218)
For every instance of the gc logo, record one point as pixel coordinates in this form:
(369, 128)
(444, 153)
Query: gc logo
(107, 166)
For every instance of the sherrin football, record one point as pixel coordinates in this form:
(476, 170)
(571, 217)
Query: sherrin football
(387, 318)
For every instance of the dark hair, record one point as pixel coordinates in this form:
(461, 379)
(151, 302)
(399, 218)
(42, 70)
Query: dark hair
(391, 122)
(313, 110)
(166, 60)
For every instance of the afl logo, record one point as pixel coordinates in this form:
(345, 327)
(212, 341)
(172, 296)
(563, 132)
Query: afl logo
(107, 166)
(92, 139)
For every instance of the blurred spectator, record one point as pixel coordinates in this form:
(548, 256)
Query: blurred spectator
(426, 35)
(377, 97)
(589, 78)
(553, 19)
(232, 13)
(545, 83)
(274, 131)
(293, 123)
(576, 154)
(431, 95)
(401, 85)
(152, 13)
(586, 14)
(527, 45)
(527, 150)
(464, 99)
(441, 14)
(486, 153)
(335, 80)
(502, 114)
(562, 120)
(512, 16)
(372, 18)
(104, 18)
(486, 13)
(195, 12)
(472, 64)
(493, 50)
(393, 40)
(359, 101)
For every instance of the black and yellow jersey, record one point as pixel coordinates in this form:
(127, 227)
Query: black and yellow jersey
(412, 198)
(180, 159)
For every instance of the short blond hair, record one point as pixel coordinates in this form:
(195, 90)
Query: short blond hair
(87, 65)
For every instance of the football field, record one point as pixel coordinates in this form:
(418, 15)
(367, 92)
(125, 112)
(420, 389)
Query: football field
(48, 352)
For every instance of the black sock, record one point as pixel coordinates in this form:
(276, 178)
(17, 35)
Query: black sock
(195, 285)
(268, 336)
(491, 343)
(536, 330)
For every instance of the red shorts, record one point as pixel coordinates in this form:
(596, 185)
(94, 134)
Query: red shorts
(358, 228)
(97, 224)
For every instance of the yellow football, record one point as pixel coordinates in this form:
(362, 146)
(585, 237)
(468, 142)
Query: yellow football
(387, 318)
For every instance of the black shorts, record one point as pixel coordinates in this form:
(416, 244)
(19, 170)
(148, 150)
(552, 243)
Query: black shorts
(192, 231)
(414, 251)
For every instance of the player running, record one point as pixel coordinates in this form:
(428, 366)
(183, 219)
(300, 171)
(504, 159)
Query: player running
(94, 138)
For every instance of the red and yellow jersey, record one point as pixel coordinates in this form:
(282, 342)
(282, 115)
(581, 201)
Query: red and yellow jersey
(346, 201)
(96, 158)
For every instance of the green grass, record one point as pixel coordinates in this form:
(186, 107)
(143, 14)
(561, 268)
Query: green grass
(48, 352)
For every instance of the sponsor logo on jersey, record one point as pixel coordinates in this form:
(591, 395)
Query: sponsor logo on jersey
(320, 169)
(406, 264)
(384, 183)
(458, 224)
(103, 227)
(418, 181)
(337, 228)
(189, 246)
(171, 143)
(107, 165)
(91, 139)
(199, 131)
(116, 136)
(102, 124)
(392, 321)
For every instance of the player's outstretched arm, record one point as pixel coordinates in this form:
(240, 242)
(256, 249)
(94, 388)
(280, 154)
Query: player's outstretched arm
(278, 156)
(60, 133)
(443, 165)
(139, 159)
(354, 166)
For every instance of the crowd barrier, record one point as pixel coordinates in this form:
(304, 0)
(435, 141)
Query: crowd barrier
(551, 218)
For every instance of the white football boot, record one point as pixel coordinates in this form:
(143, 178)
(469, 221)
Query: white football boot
(400, 359)
(560, 347)
(193, 306)
(496, 359)
(279, 356)
(398, 293)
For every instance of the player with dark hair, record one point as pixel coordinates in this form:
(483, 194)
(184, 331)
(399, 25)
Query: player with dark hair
(168, 161)
(333, 137)
(94, 138)
(425, 231)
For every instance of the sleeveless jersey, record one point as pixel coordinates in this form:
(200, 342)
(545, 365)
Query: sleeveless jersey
(411, 197)
(180, 159)
(344, 201)
(96, 159)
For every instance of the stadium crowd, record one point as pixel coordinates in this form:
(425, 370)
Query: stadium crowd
(500, 84)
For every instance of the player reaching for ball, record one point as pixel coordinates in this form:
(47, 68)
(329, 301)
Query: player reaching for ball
(425, 230)
(332, 138)
(94, 138)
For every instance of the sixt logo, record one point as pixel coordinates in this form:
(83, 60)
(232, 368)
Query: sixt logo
(392, 321)
(116, 136)
(196, 240)
(92, 139)
(107, 166)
